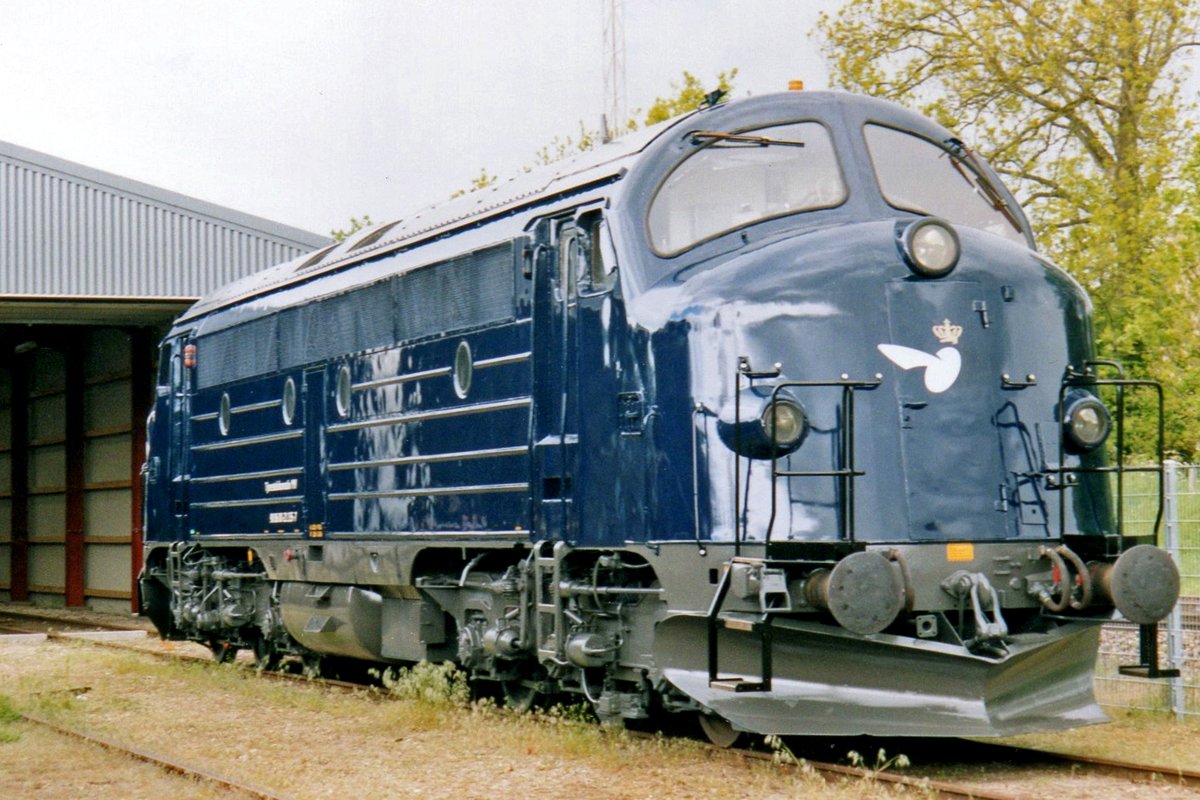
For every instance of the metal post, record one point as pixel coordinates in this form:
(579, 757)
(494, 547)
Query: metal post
(1175, 618)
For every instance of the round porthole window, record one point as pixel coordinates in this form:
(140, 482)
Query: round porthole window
(343, 392)
(464, 366)
(289, 401)
(224, 416)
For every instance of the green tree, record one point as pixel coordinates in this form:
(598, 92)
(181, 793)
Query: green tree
(1078, 104)
(480, 181)
(686, 96)
(356, 225)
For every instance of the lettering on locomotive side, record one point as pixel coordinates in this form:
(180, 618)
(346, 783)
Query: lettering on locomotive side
(282, 517)
(289, 485)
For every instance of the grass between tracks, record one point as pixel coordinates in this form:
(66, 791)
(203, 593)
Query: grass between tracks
(303, 741)
(1136, 736)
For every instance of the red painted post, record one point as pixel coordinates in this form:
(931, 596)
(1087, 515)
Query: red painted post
(141, 349)
(19, 463)
(73, 352)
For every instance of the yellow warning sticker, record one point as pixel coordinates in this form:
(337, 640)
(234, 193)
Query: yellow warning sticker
(960, 551)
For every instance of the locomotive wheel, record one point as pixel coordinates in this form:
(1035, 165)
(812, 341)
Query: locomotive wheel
(310, 666)
(223, 651)
(719, 730)
(519, 695)
(266, 657)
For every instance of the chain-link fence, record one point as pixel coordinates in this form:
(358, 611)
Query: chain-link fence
(1179, 634)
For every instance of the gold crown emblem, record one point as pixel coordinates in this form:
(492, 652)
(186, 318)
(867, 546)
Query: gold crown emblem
(947, 332)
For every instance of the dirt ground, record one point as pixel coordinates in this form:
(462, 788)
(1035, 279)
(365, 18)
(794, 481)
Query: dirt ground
(305, 742)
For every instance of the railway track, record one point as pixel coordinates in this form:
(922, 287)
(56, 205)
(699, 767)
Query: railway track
(163, 762)
(921, 776)
(990, 757)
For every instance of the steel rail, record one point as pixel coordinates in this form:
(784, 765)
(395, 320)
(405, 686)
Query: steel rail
(167, 764)
(945, 789)
(1117, 768)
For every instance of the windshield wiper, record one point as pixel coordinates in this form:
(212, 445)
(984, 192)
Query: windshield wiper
(961, 154)
(737, 138)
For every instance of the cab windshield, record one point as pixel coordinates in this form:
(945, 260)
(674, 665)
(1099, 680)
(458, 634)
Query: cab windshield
(735, 180)
(918, 175)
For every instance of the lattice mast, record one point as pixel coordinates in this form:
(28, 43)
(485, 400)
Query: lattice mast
(615, 111)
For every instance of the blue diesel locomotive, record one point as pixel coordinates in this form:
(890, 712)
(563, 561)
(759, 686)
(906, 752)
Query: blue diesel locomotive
(771, 414)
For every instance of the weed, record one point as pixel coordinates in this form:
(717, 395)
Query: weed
(8, 715)
(780, 752)
(8, 712)
(441, 685)
(882, 762)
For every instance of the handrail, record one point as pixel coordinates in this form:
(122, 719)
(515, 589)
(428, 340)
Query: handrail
(845, 469)
(1089, 378)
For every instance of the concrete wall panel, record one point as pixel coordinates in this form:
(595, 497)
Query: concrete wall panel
(107, 568)
(47, 516)
(48, 418)
(107, 459)
(107, 352)
(106, 406)
(48, 467)
(47, 565)
(106, 513)
(48, 371)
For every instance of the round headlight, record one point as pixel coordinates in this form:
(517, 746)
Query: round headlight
(1086, 422)
(930, 247)
(778, 428)
(784, 423)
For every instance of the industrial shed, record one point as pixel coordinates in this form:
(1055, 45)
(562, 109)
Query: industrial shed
(93, 268)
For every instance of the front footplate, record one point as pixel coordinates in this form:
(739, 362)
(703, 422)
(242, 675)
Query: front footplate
(831, 682)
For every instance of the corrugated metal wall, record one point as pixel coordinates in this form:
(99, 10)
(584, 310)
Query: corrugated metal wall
(71, 231)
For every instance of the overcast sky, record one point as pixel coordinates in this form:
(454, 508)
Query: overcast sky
(309, 112)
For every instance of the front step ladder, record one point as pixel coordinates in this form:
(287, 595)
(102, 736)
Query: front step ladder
(749, 623)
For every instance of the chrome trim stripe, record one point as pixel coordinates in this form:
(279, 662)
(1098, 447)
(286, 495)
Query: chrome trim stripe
(249, 440)
(251, 476)
(265, 404)
(411, 376)
(265, 501)
(513, 534)
(496, 452)
(486, 488)
(500, 361)
(439, 413)
(295, 534)
(440, 372)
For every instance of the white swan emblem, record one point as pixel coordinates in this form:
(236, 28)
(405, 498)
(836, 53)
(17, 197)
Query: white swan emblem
(941, 368)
